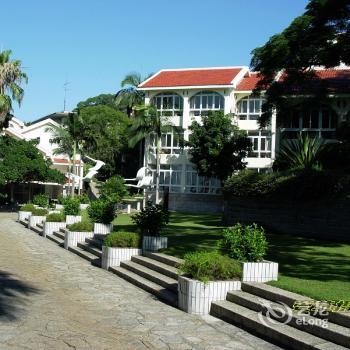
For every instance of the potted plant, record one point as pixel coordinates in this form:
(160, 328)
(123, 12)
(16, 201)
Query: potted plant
(119, 246)
(84, 202)
(77, 232)
(151, 220)
(248, 244)
(206, 277)
(38, 216)
(61, 201)
(54, 222)
(25, 212)
(41, 201)
(101, 213)
(71, 210)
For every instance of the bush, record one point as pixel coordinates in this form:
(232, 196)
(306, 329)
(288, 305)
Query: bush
(71, 206)
(101, 211)
(42, 200)
(122, 239)
(83, 199)
(39, 212)
(83, 226)
(151, 219)
(55, 217)
(62, 200)
(27, 207)
(246, 243)
(209, 266)
(113, 189)
(335, 156)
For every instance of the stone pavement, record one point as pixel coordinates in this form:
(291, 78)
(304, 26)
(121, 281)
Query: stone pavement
(52, 299)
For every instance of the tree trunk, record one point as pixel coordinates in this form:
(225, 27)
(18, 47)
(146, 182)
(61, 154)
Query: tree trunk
(158, 145)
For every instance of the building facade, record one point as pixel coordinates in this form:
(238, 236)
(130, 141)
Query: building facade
(184, 95)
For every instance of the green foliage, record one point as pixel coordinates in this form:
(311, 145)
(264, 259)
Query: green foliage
(62, 200)
(55, 217)
(122, 239)
(82, 226)
(216, 146)
(343, 131)
(42, 200)
(27, 207)
(209, 266)
(335, 156)
(103, 99)
(71, 206)
(83, 199)
(39, 212)
(152, 219)
(113, 189)
(101, 211)
(246, 243)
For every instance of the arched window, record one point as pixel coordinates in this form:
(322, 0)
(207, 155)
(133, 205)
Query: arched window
(249, 108)
(168, 104)
(206, 101)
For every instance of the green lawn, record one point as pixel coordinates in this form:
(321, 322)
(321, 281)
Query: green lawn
(314, 268)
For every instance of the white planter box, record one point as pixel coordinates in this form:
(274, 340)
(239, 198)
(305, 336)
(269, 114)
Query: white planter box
(103, 229)
(263, 271)
(113, 256)
(59, 206)
(72, 219)
(54, 211)
(153, 243)
(50, 227)
(72, 238)
(34, 220)
(22, 215)
(195, 297)
(83, 206)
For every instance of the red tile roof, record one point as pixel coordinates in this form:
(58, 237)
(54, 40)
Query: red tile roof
(192, 77)
(64, 161)
(248, 82)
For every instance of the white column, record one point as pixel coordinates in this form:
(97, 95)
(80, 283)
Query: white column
(274, 145)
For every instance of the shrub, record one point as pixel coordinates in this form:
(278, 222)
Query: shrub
(83, 226)
(113, 189)
(62, 200)
(335, 156)
(27, 207)
(71, 206)
(101, 211)
(122, 239)
(151, 219)
(42, 200)
(39, 212)
(55, 217)
(209, 266)
(244, 242)
(83, 199)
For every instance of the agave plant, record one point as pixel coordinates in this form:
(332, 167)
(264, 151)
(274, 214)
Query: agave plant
(302, 152)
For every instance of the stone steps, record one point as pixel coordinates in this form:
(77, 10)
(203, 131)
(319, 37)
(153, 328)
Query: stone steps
(56, 239)
(59, 234)
(164, 258)
(96, 261)
(91, 249)
(37, 229)
(94, 242)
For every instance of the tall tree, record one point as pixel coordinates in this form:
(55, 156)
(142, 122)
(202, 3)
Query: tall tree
(318, 37)
(148, 122)
(11, 78)
(102, 99)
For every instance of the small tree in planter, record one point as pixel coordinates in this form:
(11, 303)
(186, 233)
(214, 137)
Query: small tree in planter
(25, 212)
(38, 216)
(78, 232)
(248, 244)
(41, 200)
(61, 201)
(118, 247)
(54, 222)
(206, 277)
(101, 213)
(71, 210)
(151, 220)
(84, 201)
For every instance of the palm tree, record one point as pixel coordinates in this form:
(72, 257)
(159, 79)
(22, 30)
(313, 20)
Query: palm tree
(149, 122)
(11, 78)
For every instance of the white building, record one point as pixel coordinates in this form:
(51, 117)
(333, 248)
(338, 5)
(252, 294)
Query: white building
(184, 95)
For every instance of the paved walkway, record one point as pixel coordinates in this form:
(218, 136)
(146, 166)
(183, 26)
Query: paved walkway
(52, 299)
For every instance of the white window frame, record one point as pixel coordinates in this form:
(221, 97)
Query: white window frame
(263, 138)
(201, 184)
(204, 98)
(173, 111)
(256, 111)
(168, 173)
(174, 147)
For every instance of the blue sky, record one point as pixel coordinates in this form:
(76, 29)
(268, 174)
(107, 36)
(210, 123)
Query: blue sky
(92, 44)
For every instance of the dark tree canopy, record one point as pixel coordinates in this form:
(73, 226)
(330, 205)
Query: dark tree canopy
(102, 99)
(216, 146)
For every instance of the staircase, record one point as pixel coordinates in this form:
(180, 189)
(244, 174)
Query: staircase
(249, 308)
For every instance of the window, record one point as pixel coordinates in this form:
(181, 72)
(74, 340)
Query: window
(169, 177)
(206, 101)
(200, 184)
(170, 143)
(261, 144)
(169, 104)
(249, 108)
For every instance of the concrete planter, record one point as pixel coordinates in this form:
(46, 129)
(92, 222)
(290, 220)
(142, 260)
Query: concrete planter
(83, 206)
(51, 227)
(263, 271)
(34, 220)
(72, 219)
(112, 256)
(59, 206)
(195, 297)
(103, 229)
(72, 238)
(154, 243)
(23, 215)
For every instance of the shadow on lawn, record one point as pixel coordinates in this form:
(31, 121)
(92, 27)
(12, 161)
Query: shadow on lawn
(203, 219)
(12, 296)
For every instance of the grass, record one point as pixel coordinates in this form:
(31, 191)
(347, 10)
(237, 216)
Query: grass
(314, 268)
